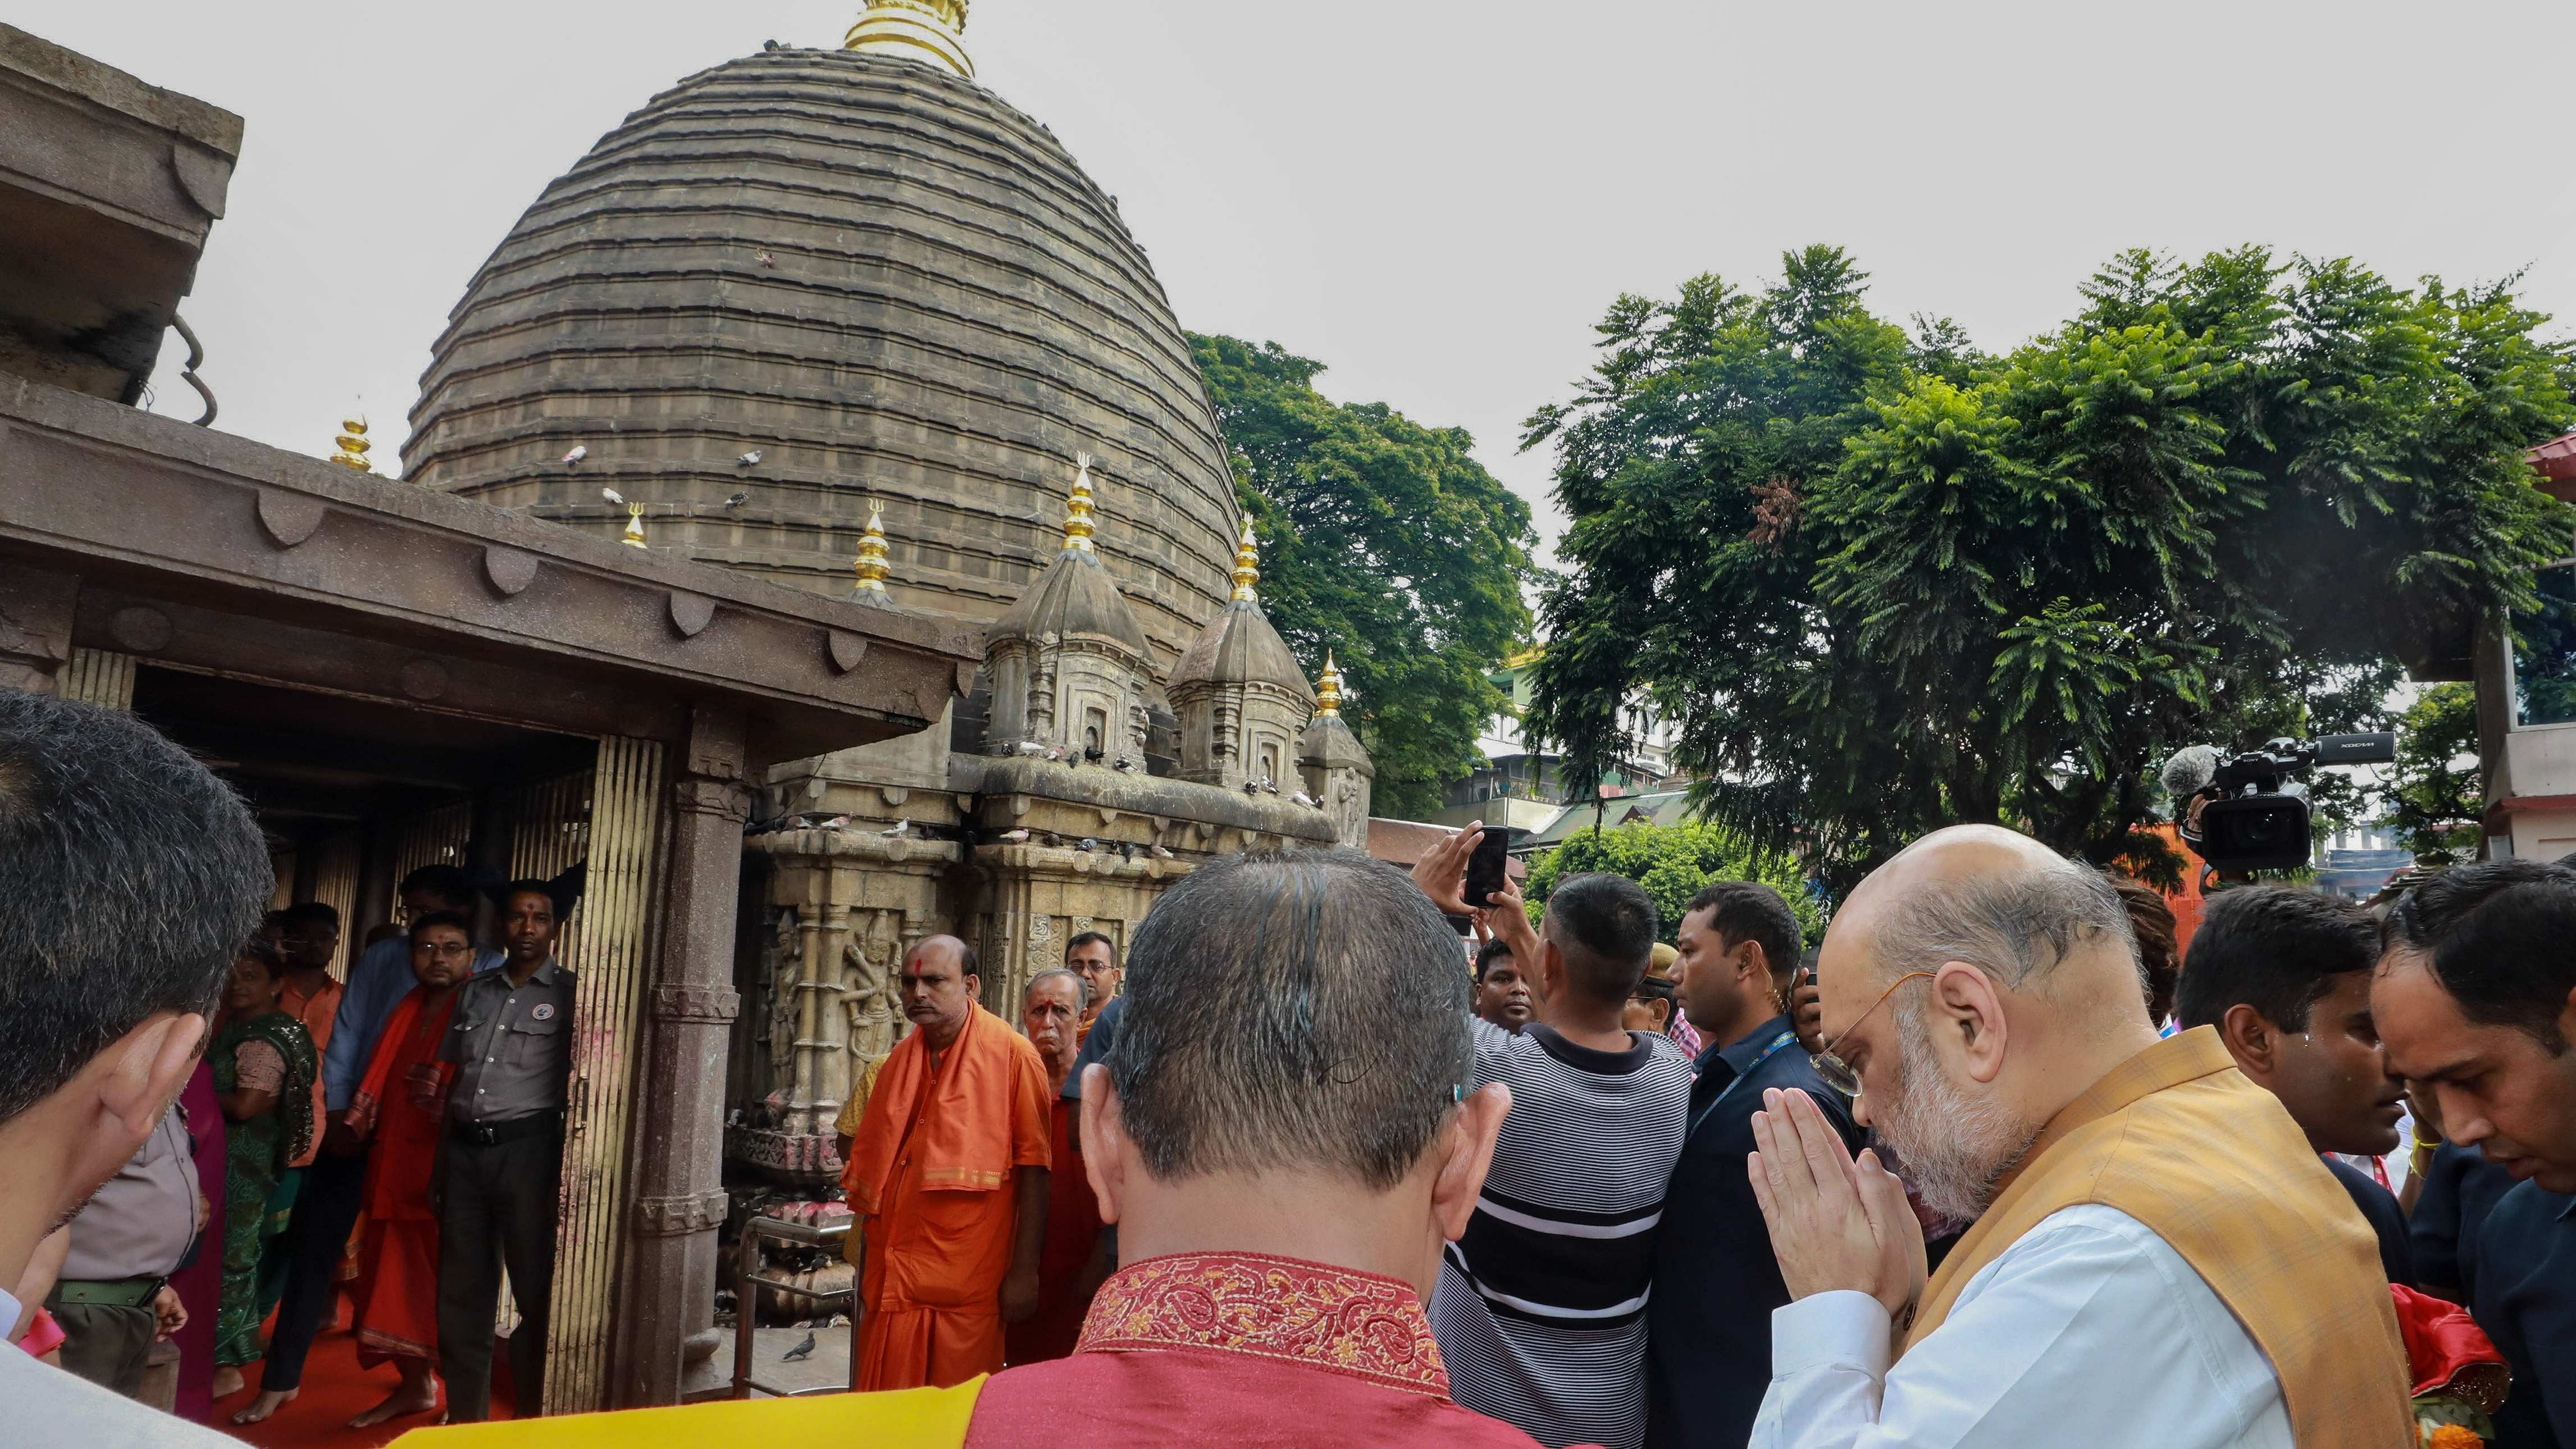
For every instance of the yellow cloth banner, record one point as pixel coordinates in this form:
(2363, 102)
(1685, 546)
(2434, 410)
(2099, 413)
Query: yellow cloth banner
(896, 1419)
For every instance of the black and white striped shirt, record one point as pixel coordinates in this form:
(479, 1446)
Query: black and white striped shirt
(1540, 1312)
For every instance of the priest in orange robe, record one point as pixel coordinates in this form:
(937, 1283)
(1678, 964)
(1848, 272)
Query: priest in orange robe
(401, 1105)
(948, 1177)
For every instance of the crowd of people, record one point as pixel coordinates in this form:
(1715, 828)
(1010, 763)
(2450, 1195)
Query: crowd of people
(1999, 1164)
(393, 1138)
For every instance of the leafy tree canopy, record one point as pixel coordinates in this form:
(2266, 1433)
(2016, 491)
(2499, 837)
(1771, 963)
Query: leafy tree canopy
(2435, 791)
(1673, 863)
(1880, 582)
(1387, 543)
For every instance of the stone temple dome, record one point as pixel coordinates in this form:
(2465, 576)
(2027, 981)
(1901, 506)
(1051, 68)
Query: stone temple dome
(813, 278)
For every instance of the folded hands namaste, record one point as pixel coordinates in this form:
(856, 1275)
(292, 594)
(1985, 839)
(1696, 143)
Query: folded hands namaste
(1835, 1223)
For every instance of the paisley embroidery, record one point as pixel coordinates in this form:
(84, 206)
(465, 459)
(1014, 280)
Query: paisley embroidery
(1278, 1308)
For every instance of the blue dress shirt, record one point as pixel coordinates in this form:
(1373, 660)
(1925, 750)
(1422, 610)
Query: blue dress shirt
(2526, 1301)
(1708, 1325)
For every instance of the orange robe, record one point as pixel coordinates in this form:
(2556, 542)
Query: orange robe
(930, 1178)
(399, 1104)
(1073, 1228)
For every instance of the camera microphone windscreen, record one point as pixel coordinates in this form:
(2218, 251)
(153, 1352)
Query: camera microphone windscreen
(2190, 771)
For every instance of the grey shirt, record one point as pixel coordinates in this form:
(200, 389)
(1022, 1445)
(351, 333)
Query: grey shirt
(512, 1045)
(142, 1221)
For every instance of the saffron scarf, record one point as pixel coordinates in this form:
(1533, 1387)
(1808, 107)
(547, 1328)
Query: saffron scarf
(404, 1124)
(964, 1141)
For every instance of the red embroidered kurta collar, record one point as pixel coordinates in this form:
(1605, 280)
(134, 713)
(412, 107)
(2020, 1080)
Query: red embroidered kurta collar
(1283, 1309)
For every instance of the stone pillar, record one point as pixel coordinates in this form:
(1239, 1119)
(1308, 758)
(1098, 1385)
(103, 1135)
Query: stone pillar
(679, 1150)
(35, 627)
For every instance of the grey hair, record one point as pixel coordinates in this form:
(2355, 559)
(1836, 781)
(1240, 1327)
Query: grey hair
(129, 877)
(1302, 1012)
(2016, 928)
(1081, 985)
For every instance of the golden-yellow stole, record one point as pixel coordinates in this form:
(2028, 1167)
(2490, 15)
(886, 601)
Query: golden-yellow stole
(2179, 1139)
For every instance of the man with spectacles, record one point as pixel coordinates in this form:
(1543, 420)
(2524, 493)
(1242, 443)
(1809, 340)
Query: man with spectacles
(2158, 1259)
(1708, 1327)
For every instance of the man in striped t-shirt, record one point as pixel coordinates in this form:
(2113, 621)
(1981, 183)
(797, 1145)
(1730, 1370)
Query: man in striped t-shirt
(1541, 1307)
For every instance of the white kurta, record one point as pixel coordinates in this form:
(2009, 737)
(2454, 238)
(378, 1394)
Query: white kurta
(2089, 1331)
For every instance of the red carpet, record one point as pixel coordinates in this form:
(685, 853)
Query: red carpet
(335, 1391)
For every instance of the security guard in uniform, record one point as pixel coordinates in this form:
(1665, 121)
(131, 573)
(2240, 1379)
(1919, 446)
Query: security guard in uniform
(125, 1244)
(511, 1044)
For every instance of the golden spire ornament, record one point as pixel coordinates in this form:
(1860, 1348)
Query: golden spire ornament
(634, 518)
(871, 562)
(1078, 527)
(1328, 690)
(353, 446)
(1247, 563)
(932, 32)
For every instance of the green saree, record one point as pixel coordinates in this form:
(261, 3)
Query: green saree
(255, 1157)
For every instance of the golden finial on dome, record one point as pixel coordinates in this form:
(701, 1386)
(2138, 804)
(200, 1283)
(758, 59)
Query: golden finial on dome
(1247, 562)
(871, 562)
(1078, 527)
(634, 518)
(353, 446)
(930, 31)
(1328, 690)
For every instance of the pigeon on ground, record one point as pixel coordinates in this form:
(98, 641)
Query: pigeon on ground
(835, 822)
(613, 496)
(804, 1349)
(762, 256)
(1088, 843)
(1030, 747)
(579, 452)
(750, 459)
(901, 827)
(1125, 764)
(737, 500)
(1302, 798)
(1161, 854)
(1014, 837)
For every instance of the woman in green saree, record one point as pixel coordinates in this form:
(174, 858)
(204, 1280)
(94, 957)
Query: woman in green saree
(264, 1065)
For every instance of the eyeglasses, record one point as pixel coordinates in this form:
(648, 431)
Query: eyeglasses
(1838, 1073)
(449, 949)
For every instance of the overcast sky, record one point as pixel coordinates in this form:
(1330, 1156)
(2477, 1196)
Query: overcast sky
(1437, 198)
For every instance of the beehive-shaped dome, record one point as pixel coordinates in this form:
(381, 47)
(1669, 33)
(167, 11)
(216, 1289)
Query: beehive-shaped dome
(883, 282)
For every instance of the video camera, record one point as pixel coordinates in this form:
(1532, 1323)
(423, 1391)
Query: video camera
(2245, 813)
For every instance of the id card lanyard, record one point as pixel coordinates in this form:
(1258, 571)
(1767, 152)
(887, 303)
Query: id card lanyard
(1783, 1039)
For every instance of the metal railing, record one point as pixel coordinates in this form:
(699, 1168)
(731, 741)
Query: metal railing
(746, 1296)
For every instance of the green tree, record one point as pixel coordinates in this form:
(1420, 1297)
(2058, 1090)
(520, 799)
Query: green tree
(2435, 790)
(1386, 543)
(1880, 583)
(1673, 863)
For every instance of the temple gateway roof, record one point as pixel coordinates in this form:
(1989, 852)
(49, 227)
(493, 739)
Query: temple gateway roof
(808, 278)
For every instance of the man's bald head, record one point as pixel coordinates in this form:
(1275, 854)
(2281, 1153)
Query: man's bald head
(938, 985)
(2013, 983)
(1997, 900)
